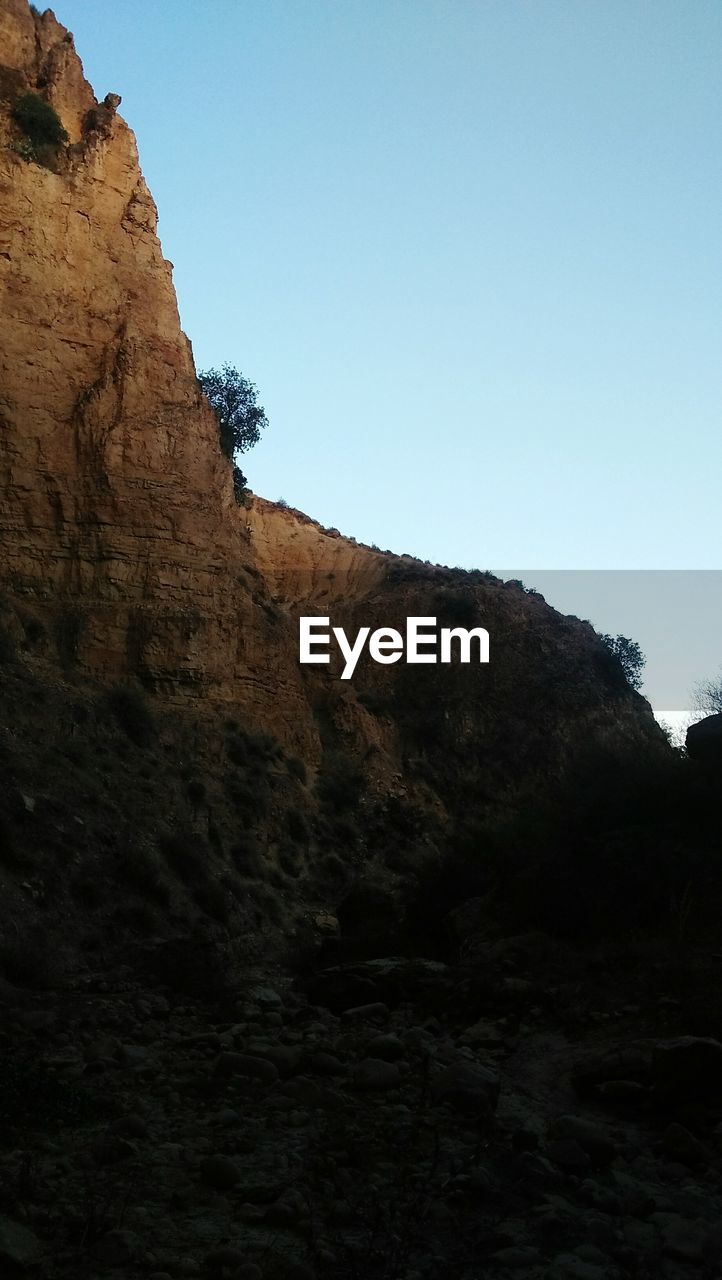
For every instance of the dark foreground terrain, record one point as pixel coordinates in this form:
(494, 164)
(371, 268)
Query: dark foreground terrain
(540, 1112)
(246, 1035)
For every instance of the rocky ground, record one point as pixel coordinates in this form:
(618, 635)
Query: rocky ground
(395, 1119)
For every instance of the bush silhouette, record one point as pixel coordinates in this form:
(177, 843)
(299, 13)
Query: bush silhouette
(629, 656)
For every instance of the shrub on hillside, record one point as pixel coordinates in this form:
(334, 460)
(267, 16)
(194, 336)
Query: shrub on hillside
(456, 608)
(628, 655)
(38, 121)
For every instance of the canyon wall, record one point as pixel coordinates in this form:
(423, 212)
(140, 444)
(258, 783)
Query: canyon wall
(125, 554)
(119, 526)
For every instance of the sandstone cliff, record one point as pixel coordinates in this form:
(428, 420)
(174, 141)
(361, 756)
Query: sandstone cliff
(125, 553)
(118, 516)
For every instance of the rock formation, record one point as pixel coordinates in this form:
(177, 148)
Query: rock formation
(127, 559)
(120, 530)
(704, 740)
(119, 523)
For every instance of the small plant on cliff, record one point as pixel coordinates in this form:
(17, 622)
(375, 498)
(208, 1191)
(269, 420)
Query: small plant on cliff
(38, 121)
(24, 148)
(241, 419)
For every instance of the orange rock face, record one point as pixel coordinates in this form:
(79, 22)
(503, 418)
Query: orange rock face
(117, 512)
(120, 530)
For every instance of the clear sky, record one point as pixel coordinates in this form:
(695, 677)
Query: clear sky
(469, 251)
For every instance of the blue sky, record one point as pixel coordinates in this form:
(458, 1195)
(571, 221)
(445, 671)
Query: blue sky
(469, 251)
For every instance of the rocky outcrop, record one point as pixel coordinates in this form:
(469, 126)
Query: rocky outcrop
(123, 542)
(704, 741)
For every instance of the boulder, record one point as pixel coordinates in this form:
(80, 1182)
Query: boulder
(468, 1086)
(704, 740)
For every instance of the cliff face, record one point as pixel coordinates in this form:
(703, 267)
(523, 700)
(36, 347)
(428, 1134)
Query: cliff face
(117, 510)
(123, 543)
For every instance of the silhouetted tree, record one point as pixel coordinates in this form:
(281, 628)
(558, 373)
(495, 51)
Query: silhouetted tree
(234, 401)
(629, 655)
